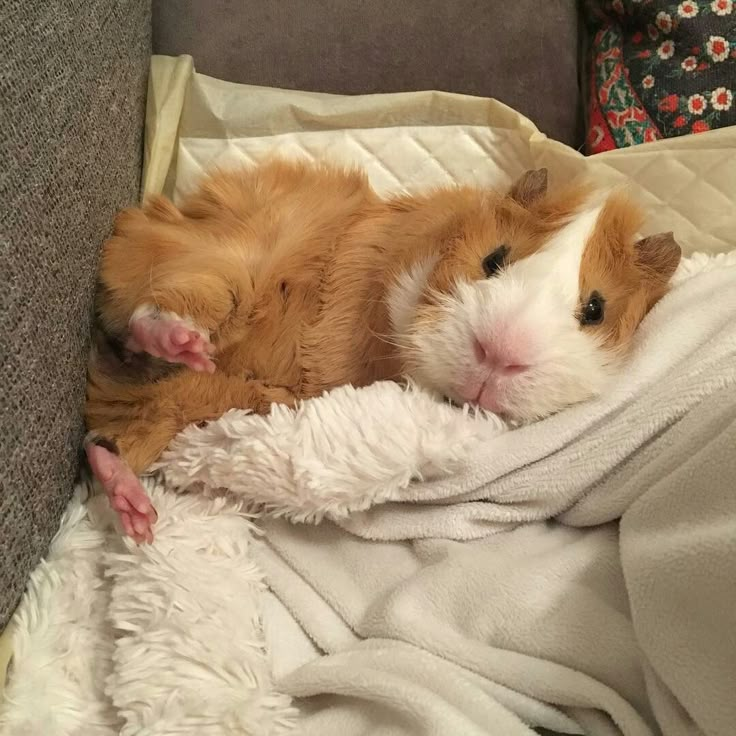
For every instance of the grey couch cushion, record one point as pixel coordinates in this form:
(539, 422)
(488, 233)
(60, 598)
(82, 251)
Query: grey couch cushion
(72, 94)
(523, 52)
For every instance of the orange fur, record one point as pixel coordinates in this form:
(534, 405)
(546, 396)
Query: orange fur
(622, 269)
(288, 265)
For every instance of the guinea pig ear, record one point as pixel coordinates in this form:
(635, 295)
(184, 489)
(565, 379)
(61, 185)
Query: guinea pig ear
(659, 254)
(531, 186)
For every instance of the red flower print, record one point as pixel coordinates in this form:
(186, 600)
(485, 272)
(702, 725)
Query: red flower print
(666, 49)
(722, 7)
(644, 54)
(664, 22)
(700, 126)
(697, 104)
(647, 82)
(687, 9)
(653, 32)
(680, 121)
(650, 134)
(669, 103)
(718, 48)
(633, 114)
(689, 64)
(695, 50)
(721, 98)
(638, 37)
(702, 66)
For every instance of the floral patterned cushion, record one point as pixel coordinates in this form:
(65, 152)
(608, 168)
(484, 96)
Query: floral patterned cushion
(659, 69)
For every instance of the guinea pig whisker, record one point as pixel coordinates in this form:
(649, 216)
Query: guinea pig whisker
(382, 357)
(392, 340)
(153, 290)
(437, 298)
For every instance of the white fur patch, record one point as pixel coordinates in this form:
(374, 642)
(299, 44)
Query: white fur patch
(404, 294)
(144, 311)
(151, 311)
(557, 264)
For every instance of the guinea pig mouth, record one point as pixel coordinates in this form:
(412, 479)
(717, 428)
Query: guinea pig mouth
(483, 394)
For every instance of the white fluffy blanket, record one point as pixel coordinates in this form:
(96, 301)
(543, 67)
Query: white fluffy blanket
(401, 613)
(156, 640)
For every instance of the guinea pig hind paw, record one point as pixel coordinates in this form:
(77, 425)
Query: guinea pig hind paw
(126, 494)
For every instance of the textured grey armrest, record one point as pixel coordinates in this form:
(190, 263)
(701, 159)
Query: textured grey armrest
(72, 96)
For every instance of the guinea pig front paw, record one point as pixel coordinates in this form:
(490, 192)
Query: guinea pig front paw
(172, 338)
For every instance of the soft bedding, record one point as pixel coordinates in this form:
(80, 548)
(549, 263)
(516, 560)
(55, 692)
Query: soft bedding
(575, 575)
(630, 624)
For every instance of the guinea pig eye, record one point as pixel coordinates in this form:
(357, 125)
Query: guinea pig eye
(593, 310)
(495, 261)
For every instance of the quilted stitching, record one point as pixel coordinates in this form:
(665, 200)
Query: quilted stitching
(411, 158)
(395, 159)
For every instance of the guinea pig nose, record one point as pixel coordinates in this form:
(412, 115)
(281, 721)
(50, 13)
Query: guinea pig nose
(512, 369)
(500, 363)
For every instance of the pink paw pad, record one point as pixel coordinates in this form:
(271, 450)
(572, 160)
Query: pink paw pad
(170, 337)
(127, 496)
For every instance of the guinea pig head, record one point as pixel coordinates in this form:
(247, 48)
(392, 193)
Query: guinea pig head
(523, 303)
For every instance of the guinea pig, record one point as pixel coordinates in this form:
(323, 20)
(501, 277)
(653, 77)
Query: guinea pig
(277, 282)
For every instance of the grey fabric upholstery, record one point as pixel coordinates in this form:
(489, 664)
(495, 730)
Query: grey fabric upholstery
(72, 94)
(523, 52)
